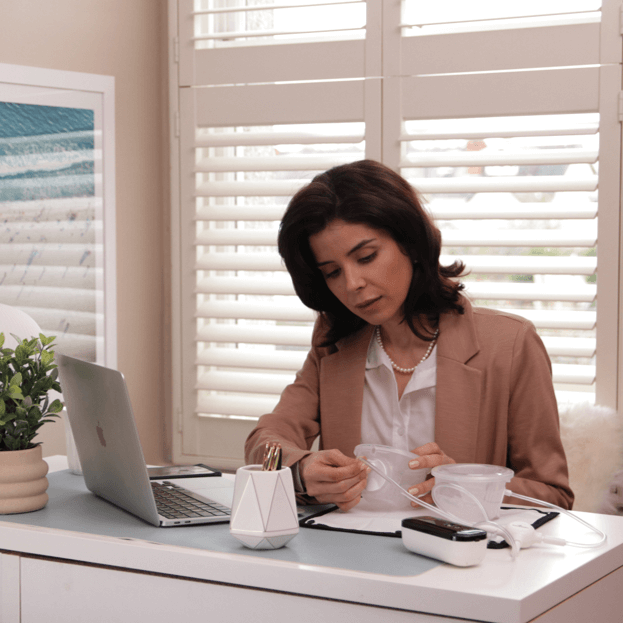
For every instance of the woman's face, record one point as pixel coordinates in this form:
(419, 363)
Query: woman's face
(365, 269)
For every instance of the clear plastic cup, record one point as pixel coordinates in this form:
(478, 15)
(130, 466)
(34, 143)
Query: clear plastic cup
(381, 494)
(486, 483)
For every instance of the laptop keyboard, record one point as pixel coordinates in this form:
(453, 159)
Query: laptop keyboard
(174, 502)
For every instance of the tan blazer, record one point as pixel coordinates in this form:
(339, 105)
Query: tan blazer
(495, 401)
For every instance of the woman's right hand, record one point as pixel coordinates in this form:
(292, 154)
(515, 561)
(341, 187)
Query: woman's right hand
(333, 478)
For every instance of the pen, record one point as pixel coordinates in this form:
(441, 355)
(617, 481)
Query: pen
(272, 457)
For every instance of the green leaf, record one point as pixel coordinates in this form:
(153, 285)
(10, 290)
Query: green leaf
(17, 379)
(47, 357)
(15, 393)
(34, 414)
(1, 340)
(21, 353)
(46, 340)
(56, 406)
(2, 407)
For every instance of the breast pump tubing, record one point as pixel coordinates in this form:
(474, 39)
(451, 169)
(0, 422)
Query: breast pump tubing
(491, 526)
(566, 512)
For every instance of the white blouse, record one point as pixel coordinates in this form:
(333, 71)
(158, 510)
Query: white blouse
(406, 423)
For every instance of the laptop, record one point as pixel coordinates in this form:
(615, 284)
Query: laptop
(113, 465)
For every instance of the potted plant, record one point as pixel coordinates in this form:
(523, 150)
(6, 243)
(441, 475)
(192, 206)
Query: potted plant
(27, 374)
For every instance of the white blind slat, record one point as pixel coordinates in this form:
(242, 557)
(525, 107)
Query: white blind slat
(245, 285)
(241, 358)
(279, 163)
(558, 318)
(510, 129)
(256, 334)
(570, 346)
(533, 265)
(521, 238)
(533, 211)
(250, 139)
(236, 405)
(254, 383)
(271, 7)
(276, 188)
(292, 312)
(531, 291)
(488, 157)
(573, 373)
(240, 261)
(514, 184)
(240, 213)
(248, 34)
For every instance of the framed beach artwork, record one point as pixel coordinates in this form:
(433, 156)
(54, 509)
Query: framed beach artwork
(57, 206)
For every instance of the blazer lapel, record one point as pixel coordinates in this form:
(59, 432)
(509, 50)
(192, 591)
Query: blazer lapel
(459, 387)
(342, 376)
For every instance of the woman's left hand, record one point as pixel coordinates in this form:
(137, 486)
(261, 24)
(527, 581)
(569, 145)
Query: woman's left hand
(429, 455)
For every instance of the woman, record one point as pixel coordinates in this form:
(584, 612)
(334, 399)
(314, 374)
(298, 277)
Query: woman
(399, 356)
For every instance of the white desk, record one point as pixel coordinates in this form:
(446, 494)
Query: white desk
(87, 577)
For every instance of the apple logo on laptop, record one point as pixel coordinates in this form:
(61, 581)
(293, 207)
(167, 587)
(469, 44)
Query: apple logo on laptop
(100, 434)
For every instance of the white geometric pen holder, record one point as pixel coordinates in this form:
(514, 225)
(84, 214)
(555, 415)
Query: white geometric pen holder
(263, 514)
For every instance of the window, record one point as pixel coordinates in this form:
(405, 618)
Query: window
(515, 152)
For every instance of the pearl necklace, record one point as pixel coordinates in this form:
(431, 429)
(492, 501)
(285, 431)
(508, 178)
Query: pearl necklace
(397, 367)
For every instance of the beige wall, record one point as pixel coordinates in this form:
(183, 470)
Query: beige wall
(125, 39)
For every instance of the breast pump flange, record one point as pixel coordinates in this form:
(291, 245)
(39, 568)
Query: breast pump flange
(392, 463)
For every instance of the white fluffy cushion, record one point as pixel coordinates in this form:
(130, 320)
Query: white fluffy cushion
(593, 440)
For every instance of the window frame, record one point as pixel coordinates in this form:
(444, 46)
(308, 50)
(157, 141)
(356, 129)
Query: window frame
(383, 74)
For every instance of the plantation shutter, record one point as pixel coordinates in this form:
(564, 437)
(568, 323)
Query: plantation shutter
(502, 120)
(254, 129)
(501, 124)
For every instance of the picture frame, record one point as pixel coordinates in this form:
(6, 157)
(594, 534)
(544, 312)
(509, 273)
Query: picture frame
(57, 206)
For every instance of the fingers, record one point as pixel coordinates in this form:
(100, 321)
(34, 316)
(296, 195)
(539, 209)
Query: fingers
(423, 491)
(332, 477)
(345, 500)
(429, 455)
(333, 466)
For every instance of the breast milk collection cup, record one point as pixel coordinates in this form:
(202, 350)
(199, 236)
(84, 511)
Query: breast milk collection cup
(486, 483)
(263, 514)
(380, 493)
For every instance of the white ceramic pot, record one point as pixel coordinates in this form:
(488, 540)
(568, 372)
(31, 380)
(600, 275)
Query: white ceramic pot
(264, 512)
(23, 484)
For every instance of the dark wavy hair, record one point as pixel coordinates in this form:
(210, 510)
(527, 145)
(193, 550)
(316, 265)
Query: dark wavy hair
(370, 193)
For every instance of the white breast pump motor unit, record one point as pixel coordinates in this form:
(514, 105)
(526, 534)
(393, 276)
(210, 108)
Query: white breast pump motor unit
(467, 496)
